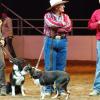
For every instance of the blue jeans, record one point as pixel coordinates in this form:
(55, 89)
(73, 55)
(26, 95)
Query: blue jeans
(55, 52)
(2, 72)
(97, 76)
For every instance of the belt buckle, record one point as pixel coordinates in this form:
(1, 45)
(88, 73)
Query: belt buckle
(57, 37)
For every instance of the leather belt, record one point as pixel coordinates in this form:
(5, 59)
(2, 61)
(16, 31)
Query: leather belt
(58, 37)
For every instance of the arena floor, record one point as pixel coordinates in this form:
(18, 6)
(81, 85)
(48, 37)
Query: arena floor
(79, 86)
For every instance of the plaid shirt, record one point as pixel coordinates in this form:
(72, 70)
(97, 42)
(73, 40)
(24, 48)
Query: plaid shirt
(60, 22)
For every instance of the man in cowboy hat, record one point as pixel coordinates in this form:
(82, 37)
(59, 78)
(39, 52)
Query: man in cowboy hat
(57, 25)
(94, 23)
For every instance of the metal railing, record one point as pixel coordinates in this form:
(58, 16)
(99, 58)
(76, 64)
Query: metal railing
(21, 26)
(28, 26)
(20, 18)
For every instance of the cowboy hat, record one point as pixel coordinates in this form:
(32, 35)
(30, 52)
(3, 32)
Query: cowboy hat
(54, 3)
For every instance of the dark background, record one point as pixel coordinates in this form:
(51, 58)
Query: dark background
(76, 9)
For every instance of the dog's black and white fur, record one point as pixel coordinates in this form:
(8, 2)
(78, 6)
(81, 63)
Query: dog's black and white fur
(43, 78)
(16, 77)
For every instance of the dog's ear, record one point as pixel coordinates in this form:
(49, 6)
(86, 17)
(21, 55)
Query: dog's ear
(37, 69)
(34, 68)
(27, 68)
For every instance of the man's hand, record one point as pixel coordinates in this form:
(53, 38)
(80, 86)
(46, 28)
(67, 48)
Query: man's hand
(60, 30)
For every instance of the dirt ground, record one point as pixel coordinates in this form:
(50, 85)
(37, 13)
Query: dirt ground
(80, 85)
